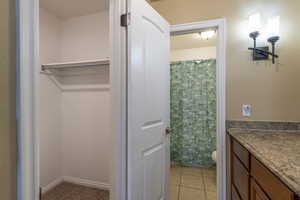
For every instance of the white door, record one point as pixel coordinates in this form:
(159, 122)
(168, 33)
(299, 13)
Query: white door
(148, 103)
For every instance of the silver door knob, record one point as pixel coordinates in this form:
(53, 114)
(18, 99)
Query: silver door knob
(168, 131)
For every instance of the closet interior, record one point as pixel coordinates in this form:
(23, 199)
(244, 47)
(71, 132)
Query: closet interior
(74, 100)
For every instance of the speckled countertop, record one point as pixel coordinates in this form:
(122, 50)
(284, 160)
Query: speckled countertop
(279, 151)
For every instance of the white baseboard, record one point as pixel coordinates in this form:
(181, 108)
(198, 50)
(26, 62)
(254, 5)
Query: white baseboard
(88, 183)
(52, 185)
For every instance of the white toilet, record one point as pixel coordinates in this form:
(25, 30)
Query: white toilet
(214, 156)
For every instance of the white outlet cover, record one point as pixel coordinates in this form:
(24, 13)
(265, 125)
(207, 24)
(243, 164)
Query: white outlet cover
(247, 110)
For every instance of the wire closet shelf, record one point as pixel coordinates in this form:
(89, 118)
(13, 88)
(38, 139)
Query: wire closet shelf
(75, 65)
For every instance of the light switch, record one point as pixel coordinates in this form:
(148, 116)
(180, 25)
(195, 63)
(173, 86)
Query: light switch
(247, 110)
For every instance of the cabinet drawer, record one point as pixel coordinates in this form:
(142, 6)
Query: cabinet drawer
(240, 178)
(234, 194)
(242, 153)
(273, 187)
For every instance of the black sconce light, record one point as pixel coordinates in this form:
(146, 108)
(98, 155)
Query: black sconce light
(263, 53)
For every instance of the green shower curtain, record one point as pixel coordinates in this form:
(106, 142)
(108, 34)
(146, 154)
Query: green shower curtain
(193, 112)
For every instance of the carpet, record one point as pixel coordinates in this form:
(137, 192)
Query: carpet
(69, 191)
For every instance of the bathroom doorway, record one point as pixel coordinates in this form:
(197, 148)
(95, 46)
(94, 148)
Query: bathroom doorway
(196, 120)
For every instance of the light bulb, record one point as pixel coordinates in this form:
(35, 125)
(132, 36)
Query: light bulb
(273, 26)
(207, 34)
(254, 23)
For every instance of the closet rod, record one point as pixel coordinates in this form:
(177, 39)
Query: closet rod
(81, 64)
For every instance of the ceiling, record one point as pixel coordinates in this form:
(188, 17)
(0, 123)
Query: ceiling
(190, 41)
(72, 8)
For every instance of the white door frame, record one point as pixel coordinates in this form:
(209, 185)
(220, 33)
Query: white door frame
(118, 77)
(28, 175)
(27, 96)
(27, 108)
(220, 24)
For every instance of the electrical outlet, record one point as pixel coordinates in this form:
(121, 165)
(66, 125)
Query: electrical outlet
(247, 110)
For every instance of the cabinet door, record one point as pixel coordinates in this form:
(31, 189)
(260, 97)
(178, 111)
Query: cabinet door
(234, 194)
(256, 192)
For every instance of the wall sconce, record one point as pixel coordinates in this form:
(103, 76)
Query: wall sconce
(263, 53)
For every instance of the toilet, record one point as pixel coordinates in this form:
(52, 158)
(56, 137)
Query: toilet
(214, 156)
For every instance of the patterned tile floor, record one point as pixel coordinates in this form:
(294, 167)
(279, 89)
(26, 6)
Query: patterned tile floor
(69, 191)
(193, 183)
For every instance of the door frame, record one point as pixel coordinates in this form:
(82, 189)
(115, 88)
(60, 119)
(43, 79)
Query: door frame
(28, 174)
(220, 24)
(27, 12)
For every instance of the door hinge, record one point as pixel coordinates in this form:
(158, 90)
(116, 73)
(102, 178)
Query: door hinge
(125, 20)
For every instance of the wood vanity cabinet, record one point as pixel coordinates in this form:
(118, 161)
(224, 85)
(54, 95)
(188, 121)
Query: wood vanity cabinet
(251, 180)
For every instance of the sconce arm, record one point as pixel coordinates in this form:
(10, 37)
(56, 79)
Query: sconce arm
(262, 52)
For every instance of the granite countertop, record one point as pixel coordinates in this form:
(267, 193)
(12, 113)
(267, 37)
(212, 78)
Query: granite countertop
(278, 150)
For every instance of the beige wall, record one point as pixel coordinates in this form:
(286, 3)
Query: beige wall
(74, 125)
(50, 102)
(7, 101)
(273, 91)
(193, 54)
(85, 37)
(86, 114)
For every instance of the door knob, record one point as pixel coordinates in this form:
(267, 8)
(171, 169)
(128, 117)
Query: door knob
(168, 131)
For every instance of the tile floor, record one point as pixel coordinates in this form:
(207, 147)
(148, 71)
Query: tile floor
(193, 183)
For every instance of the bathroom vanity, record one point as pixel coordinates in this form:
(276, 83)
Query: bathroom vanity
(264, 164)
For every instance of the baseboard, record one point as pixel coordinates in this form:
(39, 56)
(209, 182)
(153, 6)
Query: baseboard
(52, 185)
(87, 183)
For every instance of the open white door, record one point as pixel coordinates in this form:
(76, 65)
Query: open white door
(148, 103)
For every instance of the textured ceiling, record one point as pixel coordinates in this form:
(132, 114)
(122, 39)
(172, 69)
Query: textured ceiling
(72, 8)
(189, 41)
